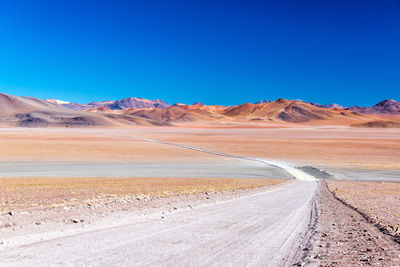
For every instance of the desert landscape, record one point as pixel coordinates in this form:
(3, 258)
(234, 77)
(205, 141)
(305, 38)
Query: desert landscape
(100, 175)
(199, 133)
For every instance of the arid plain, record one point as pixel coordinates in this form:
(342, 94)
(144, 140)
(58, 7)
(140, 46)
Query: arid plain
(50, 200)
(277, 183)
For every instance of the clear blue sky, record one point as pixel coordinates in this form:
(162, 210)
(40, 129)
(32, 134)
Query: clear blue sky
(218, 52)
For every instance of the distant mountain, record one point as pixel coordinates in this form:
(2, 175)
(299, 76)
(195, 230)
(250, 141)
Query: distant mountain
(34, 112)
(126, 103)
(98, 104)
(263, 102)
(389, 106)
(327, 106)
(180, 113)
(137, 102)
(289, 111)
(282, 110)
(59, 102)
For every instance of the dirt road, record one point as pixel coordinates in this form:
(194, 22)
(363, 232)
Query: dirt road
(259, 230)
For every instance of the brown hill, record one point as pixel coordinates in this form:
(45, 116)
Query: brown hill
(101, 109)
(177, 113)
(33, 112)
(290, 111)
(388, 106)
(279, 111)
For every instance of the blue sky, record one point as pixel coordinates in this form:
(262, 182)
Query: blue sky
(217, 52)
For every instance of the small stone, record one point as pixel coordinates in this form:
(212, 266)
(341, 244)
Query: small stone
(364, 258)
(11, 213)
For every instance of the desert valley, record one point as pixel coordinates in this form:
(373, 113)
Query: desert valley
(274, 183)
(199, 133)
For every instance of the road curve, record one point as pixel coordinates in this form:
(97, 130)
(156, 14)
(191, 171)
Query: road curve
(264, 229)
(296, 173)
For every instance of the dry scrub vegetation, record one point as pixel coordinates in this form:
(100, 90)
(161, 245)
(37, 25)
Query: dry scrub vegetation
(43, 193)
(378, 201)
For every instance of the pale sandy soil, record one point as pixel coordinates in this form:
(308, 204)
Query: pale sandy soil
(342, 147)
(59, 144)
(343, 237)
(327, 146)
(378, 201)
(50, 193)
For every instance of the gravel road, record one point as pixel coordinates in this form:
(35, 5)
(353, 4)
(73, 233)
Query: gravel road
(264, 229)
(269, 228)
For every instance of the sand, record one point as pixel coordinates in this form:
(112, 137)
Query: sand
(377, 201)
(327, 146)
(343, 237)
(113, 152)
(54, 192)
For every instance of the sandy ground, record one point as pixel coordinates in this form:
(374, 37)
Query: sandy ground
(378, 202)
(30, 194)
(344, 238)
(327, 146)
(337, 147)
(345, 153)
(231, 232)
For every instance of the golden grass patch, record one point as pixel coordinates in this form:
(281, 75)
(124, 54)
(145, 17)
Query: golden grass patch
(23, 193)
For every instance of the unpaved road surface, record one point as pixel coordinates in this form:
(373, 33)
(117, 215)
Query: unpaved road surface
(290, 170)
(264, 229)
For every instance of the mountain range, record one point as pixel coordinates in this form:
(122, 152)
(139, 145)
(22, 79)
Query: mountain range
(389, 106)
(130, 102)
(34, 112)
